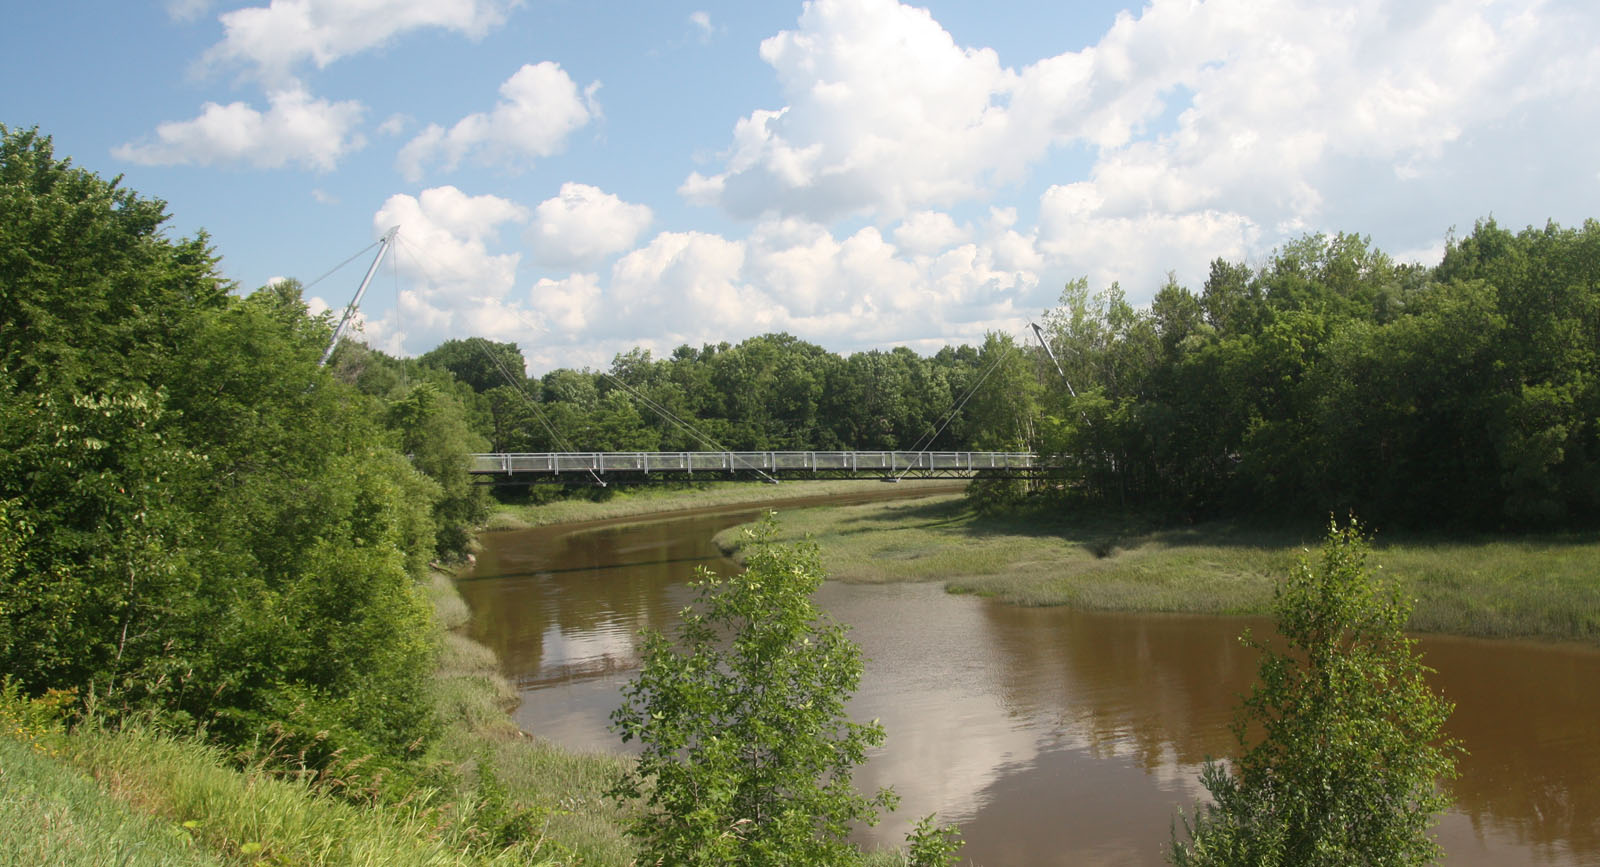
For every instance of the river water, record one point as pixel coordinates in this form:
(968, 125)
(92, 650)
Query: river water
(1052, 736)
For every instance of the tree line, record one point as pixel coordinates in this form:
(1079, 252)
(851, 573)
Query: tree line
(1332, 378)
(769, 392)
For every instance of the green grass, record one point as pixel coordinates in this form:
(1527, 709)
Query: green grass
(69, 820)
(1537, 586)
(646, 500)
(1547, 586)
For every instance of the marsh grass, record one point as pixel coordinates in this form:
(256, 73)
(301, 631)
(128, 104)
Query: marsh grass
(638, 500)
(1529, 586)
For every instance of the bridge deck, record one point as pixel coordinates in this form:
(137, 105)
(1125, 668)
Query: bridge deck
(789, 464)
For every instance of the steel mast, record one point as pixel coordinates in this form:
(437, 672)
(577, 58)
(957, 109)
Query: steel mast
(350, 311)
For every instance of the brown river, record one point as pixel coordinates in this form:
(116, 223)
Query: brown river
(1052, 736)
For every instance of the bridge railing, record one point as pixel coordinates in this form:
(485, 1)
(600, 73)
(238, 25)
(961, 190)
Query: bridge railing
(557, 463)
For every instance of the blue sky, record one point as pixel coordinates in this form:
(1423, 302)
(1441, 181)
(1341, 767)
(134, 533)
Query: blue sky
(583, 178)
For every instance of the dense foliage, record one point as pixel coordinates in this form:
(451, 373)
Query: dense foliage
(194, 518)
(1351, 742)
(748, 752)
(773, 391)
(1332, 378)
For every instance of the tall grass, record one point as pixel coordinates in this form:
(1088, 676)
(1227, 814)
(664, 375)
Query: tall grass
(54, 815)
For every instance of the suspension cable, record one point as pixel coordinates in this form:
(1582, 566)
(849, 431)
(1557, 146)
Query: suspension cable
(330, 272)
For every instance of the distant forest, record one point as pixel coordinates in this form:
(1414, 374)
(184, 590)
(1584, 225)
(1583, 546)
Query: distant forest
(1330, 379)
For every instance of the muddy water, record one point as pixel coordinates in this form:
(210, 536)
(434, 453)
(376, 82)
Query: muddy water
(1052, 736)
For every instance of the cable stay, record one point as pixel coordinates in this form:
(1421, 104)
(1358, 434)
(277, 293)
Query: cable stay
(1039, 333)
(950, 416)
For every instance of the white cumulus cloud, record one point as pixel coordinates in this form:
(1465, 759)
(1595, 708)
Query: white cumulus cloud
(445, 236)
(584, 224)
(296, 129)
(539, 107)
(277, 38)
(458, 287)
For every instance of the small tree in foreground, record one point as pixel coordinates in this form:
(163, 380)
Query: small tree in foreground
(1351, 742)
(748, 752)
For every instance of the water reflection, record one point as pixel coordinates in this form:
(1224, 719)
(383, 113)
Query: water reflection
(1053, 736)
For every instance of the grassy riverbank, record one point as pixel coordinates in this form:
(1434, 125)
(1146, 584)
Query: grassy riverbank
(140, 796)
(642, 500)
(1525, 586)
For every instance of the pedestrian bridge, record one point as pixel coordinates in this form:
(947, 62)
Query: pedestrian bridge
(770, 465)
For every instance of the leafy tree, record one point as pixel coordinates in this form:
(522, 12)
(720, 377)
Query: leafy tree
(434, 433)
(478, 362)
(1003, 413)
(1351, 742)
(748, 752)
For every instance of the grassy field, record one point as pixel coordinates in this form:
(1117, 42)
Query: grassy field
(1532, 586)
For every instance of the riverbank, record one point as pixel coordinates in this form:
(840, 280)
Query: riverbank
(1544, 586)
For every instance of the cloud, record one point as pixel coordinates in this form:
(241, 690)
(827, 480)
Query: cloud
(885, 114)
(539, 107)
(926, 232)
(445, 236)
(187, 10)
(584, 224)
(395, 124)
(702, 22)
(568, 306)
(1079, 234)
(457, 286)
(277, 38)
(791, 275)
(296, 129)
(1223, 120)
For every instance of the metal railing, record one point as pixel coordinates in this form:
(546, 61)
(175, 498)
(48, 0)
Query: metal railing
(724, 463)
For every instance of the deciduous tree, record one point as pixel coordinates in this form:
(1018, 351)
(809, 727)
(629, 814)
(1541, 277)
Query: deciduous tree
(748, 753)
(1351, 737)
